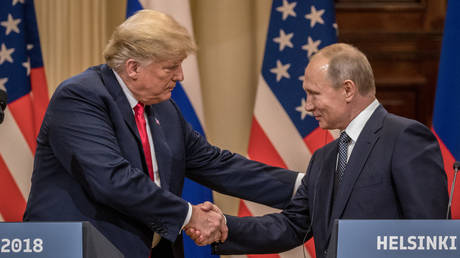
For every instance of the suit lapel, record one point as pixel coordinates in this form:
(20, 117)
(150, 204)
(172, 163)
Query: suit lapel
(162, 150)
(114, 88)
(363, 147)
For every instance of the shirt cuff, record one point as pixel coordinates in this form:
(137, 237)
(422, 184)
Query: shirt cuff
(298, 182)
(189, 215)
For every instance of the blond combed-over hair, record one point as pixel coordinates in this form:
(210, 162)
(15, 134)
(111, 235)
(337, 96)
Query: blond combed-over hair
(148, 36)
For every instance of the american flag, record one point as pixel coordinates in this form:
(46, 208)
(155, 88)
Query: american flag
(22, 75)
(283, 133)
(446, 124)
(187, 95)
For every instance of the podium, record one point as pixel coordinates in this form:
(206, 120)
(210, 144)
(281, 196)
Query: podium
(54, 239)
(395, 238)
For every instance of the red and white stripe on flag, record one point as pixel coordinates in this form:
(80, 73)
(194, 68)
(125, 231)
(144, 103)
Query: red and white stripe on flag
(283, 134)
(22, 76)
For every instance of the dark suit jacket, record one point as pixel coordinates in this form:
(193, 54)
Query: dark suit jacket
(394, 172)
(90, 166)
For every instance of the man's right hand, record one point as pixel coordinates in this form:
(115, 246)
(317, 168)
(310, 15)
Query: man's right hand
(207, 222)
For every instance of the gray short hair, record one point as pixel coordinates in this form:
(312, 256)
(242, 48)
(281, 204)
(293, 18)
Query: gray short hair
(148, 36)
(347, 62)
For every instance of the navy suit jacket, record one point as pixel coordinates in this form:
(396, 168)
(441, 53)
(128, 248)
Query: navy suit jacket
(90, 166)
(394, 172)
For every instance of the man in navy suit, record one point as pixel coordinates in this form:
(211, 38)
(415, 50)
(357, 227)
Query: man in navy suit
(382, 167)
(114, 149)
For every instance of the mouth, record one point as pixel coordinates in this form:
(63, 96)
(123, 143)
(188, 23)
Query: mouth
(171, 88)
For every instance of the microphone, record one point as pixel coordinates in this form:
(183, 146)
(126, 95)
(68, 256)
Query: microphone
(3, 100)
(456, 168)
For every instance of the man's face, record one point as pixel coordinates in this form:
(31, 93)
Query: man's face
(326, 104)
(155, 81)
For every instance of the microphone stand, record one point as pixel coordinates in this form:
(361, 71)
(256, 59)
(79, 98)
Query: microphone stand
(456, 167)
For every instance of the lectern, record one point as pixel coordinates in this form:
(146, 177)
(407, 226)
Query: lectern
(54, 239)
(395, 238)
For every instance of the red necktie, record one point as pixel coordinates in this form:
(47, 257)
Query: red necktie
(140, 122)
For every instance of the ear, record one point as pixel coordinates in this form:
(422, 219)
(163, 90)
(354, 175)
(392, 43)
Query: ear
(350, 90)
(132, 68)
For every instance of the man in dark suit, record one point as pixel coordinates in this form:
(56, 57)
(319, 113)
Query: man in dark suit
(114, 149)
(382, 166)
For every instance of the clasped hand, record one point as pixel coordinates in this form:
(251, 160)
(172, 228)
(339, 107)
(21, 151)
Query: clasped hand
(207, 224)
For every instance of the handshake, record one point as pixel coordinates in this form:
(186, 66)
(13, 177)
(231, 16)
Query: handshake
(207, 224)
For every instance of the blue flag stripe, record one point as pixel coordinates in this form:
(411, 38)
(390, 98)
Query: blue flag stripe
(446, 120)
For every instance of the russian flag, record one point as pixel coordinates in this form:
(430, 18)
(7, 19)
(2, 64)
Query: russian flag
(446, 121)
(187, 95)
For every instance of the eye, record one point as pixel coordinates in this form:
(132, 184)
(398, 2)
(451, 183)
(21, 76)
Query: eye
(312, 93)
(172, 67)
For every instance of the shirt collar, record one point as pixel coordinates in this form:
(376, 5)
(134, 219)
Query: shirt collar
(132, 101)
(357, 124)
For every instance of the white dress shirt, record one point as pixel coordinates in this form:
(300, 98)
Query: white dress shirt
(357, 124)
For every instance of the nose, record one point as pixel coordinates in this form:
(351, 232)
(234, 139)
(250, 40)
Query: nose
(308, 105)
(178, 74)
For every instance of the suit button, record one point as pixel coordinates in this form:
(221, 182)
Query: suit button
(325, 252)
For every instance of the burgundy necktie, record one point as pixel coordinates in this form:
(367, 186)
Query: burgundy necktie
(141, 126)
